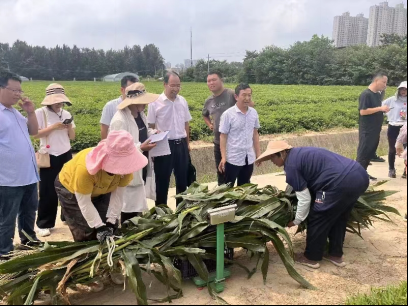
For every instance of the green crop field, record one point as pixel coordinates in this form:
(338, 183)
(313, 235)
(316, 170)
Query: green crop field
(282, 109)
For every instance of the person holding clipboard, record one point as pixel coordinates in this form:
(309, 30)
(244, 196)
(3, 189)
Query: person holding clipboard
(130, 117)
(170, 113)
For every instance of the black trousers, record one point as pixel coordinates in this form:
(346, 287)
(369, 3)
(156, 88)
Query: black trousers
(48, 203)
(367, 147)
(218, 159)
(393, 133)
(330, 213)
(243, 174)
(78, 226)
(164, 166)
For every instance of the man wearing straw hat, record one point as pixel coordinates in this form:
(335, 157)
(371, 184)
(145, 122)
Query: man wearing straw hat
(18, 167)
(334, 182)
(130, 117)
(56, 131)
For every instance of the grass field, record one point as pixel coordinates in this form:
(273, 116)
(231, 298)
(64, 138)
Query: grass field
(392, 295)
(282, 109)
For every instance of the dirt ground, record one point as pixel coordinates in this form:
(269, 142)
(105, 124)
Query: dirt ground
(378, 260)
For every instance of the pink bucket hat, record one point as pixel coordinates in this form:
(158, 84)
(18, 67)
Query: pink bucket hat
(117, 155)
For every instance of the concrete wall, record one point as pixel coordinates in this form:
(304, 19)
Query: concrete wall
(344, 143)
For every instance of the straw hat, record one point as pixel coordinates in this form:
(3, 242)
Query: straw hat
(117, 154)
(55, 94)
(136, 95)
(273, 148)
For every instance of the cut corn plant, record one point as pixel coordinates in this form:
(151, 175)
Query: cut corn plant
(152, 242)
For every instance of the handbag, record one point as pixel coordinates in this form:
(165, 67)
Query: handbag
(42, 156)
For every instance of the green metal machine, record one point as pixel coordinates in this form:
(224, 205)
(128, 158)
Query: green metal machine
(218, 217)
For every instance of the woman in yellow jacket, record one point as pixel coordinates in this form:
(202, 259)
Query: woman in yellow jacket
(91, 186)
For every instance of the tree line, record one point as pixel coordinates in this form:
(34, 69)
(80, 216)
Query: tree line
(314, 62)
(66, 63)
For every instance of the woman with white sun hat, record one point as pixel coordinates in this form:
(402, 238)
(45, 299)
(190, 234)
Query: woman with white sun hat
(130, 117)
(56, 131)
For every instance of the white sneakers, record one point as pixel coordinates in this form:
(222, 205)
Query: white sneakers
(44, 232)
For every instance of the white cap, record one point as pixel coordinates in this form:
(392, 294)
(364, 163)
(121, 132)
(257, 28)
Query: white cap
(403, 85)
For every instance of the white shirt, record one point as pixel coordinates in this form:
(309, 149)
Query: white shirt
(109, 111)
(240, 130)
(170, 116)
(58, 140)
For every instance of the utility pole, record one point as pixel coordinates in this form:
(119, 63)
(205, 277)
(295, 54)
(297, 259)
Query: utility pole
(208, 62)
(191, 47)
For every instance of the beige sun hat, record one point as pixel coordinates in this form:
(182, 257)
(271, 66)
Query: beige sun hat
(55, 94)
(273, 148)
(136, 95)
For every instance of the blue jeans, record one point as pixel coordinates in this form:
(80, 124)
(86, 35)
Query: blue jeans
(21, 202)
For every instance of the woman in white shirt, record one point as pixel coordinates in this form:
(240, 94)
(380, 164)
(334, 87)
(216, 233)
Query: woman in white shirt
(130, 117)
(397, 117)
(56, 130)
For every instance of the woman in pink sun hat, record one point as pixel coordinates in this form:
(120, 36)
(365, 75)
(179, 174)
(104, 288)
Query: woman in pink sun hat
(91, 186)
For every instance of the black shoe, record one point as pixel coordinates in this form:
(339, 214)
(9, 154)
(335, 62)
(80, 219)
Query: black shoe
(3, 259)
(378, 159)
(28, 245)
(373, 179)
(404, 176)
(392, 173)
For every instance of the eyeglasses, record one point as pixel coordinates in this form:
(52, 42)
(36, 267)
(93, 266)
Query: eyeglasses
(14, 91)
(174, 86)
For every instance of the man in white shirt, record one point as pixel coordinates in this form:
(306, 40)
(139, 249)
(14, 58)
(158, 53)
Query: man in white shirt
(240, 145)
(110, 108)
(170, 113)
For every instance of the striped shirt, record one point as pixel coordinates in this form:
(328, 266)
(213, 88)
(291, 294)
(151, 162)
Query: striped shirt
(240, 130)
(18, 166)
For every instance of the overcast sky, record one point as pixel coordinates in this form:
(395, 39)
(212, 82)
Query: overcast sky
(222, 28)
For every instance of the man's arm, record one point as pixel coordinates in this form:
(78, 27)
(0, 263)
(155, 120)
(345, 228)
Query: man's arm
(366, 107)
(257, 143)
(223, 146)
(372, 111)
(28, 106)
(208, 122)
(32, 124)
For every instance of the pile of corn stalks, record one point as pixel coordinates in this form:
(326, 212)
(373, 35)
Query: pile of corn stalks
(151, 243)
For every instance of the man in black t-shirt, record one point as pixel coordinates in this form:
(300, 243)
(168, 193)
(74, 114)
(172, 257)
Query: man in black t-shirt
(371, 119)
(221, 100)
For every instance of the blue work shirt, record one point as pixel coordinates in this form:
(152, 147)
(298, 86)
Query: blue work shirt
(18, 166)
(316, 169)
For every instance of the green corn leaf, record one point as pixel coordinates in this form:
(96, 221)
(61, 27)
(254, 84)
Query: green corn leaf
(265, 265)
(134, 274)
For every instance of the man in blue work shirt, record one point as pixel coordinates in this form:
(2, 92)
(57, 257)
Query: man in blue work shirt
(18, 175)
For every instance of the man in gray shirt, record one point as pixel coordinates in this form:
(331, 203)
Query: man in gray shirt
(110, 108)
(221, 100)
